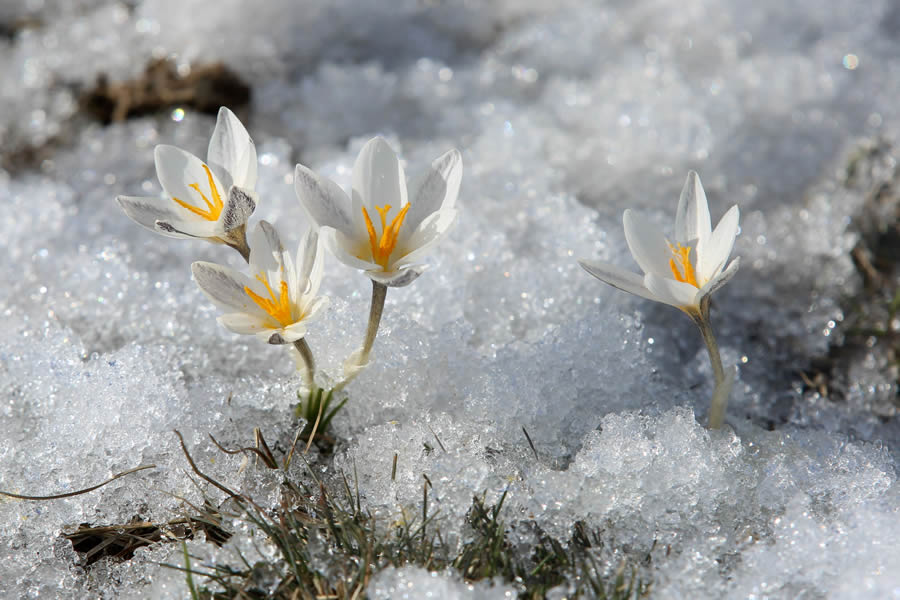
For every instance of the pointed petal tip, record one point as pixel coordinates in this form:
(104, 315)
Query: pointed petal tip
(161, 149)
(454, 154)
(124, 203)
(378, 143)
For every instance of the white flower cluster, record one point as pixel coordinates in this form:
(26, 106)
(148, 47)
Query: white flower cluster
(381, 227)
(384, 228)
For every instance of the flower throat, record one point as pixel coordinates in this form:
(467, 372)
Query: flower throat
(383, 246)
(681, 265)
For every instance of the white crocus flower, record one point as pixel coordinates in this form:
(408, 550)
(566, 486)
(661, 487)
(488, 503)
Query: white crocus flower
(207, 200)
(383, 229)
(277, 301)
(682, 273)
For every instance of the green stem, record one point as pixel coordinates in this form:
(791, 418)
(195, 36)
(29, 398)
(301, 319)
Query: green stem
(379, 292)
(307, 356)
(720, 395)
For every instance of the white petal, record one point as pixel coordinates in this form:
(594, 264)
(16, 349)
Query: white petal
(200, 229)
(307, 254)
(692, 217)
(239, 205)
(243, 323)
(378, 177)
(398, 278)
(225, 287)
(232, 153)
(323, 200)
(146, 211)
(618, 278)
(343, 249)
(648, 244)
(722, 278)
(293, 332)
(178, 169)
(291, 275)
(315, 274)
(430, 232)
(434, 190)
(670, 291)
(314, 308)
(266, 250)
(310, 264)
(714, 251)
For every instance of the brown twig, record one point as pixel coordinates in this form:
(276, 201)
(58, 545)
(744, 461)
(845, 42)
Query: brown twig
(79, 492)
(199, 473)
(265, 454)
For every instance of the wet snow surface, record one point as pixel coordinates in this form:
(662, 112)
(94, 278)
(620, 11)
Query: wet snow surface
(566, 113)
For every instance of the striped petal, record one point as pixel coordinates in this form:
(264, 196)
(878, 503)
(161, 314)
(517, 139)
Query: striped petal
(722, 278)
(618, 278)
(225, 287)
(436, 189)
(146, 211)
(239, 206)
(200, 229)
(323, 200)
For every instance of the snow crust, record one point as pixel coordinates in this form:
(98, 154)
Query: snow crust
(566, 113)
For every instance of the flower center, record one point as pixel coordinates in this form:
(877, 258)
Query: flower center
(681, 265)
(214, 208)
(384, 245)
(280, 308)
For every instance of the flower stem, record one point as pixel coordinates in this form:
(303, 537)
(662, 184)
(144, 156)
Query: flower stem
(237, 239)
(379, 292)
(721, 391)
(307, 356)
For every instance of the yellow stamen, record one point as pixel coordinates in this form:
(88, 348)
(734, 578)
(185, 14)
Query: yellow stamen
(280, 308)
(682, 259)
(214, 208)
(383, 246)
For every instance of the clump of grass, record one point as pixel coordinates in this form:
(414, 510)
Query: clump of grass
(551, 563)
(316, 523)
(329, 546)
